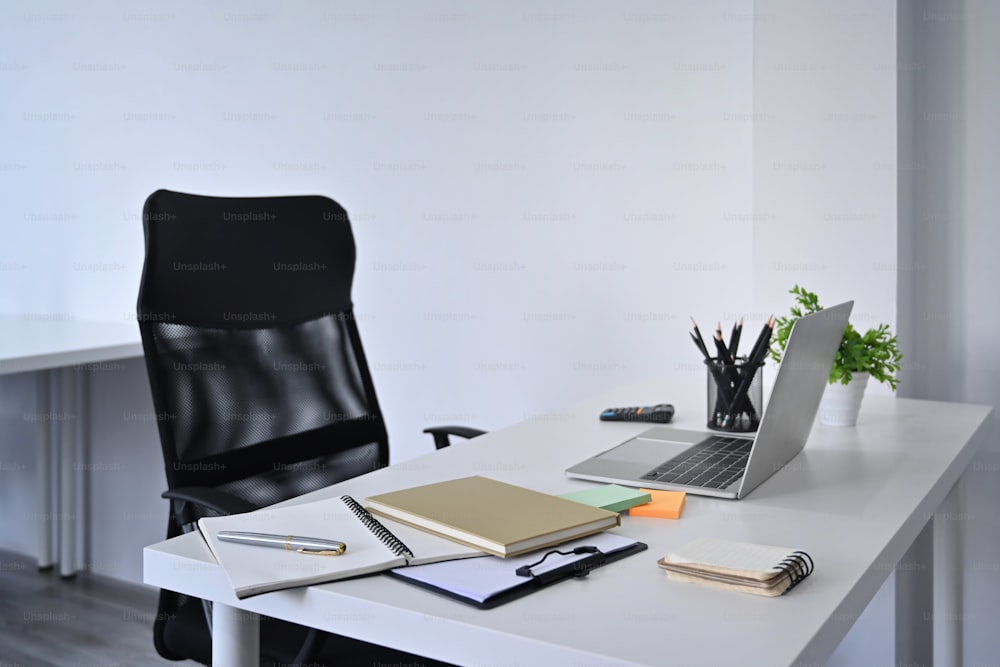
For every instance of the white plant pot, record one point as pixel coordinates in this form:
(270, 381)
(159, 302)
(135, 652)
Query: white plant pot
(841, 402)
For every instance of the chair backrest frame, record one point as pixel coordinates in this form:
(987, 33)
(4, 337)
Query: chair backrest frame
(245, 305)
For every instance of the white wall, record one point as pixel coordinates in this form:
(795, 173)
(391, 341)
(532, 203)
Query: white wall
(541, 195)
(520, 181)
(949, 165)
(824, 188)
(824, 155)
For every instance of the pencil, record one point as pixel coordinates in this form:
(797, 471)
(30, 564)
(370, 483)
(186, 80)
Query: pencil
(723, 395)
(734, 338)
(765, 334)
(755, 359)
(700, 344)
(699, 341)
(720, 346)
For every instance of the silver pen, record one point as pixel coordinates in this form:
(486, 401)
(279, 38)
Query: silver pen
(303, 545)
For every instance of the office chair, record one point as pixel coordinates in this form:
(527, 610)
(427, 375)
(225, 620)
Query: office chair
(259, 381)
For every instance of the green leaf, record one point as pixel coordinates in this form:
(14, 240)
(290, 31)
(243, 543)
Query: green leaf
(875, 352)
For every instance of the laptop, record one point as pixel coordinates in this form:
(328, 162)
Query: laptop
(731, 465)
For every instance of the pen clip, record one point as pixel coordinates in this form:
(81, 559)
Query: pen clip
(315, 552)
(323, 552)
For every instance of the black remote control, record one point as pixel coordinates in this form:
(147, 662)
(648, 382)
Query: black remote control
(661, 414)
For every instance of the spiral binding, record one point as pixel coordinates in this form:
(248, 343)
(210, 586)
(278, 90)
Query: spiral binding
(377, 529)
(796, 567)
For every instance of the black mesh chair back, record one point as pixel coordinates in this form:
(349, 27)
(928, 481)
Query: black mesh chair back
(251, 345)
(258, 377)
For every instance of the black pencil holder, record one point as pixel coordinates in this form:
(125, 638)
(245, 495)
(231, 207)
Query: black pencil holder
(735, 395)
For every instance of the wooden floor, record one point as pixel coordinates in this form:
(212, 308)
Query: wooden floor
(46, 621)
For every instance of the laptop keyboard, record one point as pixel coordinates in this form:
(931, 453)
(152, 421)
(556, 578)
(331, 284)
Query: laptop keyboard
(714, 463)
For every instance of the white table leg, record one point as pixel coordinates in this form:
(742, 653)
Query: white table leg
(915, 601)
(949, 538)
(45, 509)
(69, 468)
(81, 526)
(235, 637)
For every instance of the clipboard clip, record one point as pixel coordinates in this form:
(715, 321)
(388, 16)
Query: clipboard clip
(578, 568)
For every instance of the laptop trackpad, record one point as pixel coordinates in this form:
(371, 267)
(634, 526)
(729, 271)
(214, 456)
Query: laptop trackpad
(647, 452)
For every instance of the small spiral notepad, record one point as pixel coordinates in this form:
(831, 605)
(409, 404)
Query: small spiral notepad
(751, 568)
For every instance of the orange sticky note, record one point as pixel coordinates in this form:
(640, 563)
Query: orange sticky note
(665, 505)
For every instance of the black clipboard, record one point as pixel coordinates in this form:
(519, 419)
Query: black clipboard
(575, 570)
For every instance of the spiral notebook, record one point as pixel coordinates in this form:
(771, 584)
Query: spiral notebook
(751, 568)
(373, 545)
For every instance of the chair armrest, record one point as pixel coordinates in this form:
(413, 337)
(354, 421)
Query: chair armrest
(213, 499)
(441, 433)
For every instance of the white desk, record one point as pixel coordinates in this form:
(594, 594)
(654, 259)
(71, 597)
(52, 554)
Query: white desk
(856, 500)
(58, 350)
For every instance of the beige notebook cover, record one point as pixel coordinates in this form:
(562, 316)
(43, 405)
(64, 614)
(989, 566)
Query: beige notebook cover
(499, 518)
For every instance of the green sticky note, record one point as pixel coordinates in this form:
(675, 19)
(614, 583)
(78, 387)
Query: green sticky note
(611, 497)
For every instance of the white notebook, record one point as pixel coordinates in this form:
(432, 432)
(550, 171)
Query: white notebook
(373, 545)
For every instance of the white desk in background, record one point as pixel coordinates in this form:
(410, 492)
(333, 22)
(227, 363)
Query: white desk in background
(58, 351)
(858, 499)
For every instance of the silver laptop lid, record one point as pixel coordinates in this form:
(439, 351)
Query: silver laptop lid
(798, 387)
